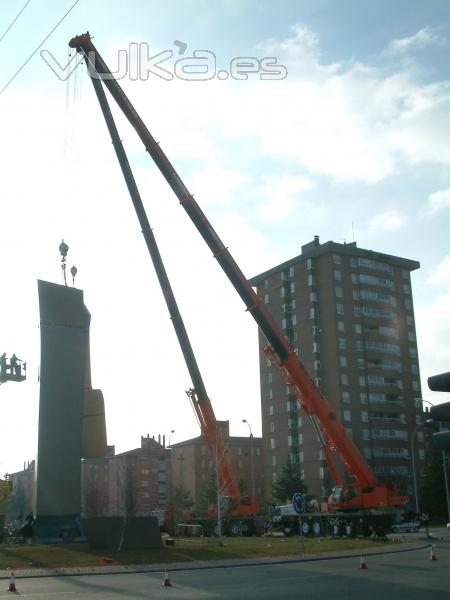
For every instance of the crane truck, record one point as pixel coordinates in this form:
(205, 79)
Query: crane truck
(361, 497)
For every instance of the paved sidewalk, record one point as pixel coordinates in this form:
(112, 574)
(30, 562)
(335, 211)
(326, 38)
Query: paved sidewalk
(214, 564)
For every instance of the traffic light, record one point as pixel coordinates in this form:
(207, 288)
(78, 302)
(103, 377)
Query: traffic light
(440, 412)
(441, 440)
(439, 383)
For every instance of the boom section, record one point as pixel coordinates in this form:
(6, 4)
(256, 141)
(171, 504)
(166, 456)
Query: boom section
(199, 397)
(312, 400)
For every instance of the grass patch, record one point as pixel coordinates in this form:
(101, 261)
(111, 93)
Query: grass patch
(185, 550)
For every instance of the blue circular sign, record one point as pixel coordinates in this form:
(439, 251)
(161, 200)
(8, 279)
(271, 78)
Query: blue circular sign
(298, 502)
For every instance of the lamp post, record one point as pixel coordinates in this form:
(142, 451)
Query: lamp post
(170, 437)
(252, 464)
(413, 459)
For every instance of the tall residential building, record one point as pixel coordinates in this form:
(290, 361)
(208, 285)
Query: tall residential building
(348, 313)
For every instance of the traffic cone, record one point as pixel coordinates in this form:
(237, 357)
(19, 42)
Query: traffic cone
(166, 580)
(362, 563)
(433, 553)
(12, 584)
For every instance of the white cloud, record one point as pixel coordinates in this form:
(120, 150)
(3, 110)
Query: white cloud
(216, 184)
(279, 195)
(390, 220)
(441, 273)
(437, 201)
(427, 36)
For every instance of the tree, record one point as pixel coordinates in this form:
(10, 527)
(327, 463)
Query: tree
(182, 498)
(291, 481)
(207, 495)
(433, 498)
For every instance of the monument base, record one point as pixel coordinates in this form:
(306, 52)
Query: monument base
(59, 528)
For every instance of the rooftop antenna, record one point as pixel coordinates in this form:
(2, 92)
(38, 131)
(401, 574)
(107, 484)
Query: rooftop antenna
(73, 272)
(63, 249)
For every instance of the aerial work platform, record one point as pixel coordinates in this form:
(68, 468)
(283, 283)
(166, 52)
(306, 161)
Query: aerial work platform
(13, 369)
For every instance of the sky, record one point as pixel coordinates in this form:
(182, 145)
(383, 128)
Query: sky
(349, 142)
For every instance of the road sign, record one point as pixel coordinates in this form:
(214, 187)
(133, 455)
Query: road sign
(298, 502)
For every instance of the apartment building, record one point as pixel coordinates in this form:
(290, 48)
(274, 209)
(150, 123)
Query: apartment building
(348, 313)
(193, 467)
(134, 483)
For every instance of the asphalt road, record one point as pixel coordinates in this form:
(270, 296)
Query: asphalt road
(403, 576)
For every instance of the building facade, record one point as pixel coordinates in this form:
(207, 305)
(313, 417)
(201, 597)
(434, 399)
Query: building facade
(348, 313)
(193, 466)
(133, 483)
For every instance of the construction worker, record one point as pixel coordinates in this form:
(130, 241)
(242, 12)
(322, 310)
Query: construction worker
(14, 364)
(3, 364)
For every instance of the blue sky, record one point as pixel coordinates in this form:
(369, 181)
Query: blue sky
(352, 144)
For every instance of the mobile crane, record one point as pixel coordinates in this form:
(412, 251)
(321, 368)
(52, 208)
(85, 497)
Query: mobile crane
(365, 495)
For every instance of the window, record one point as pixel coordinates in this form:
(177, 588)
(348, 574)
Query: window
(269, 377)
(409, 320)
(342, 344)
(336, 259)
(414, 369)
(274, 477)
(408, 304)
(421, 454)
(309, 264)
(340, 309)
(317, 365)
(271, 410)
(415, 386)
(358, 328)
(313, 296)
(266, 298)
(360, 363)
(321, 473)
(363, 398)
(313, 313)
(337, 275)
(344, 379)
(364, 416)
(291, 271)
(349, 432)
(339, 292)
(274, 461)
(366, 434)
(272, 429)
(367, 453)
(316, 347)
(347, 415)
(311, 280)
(318, 382)
(343, 361)
(355, 295)
(412, 351)
(362, 381)
(340, 325)
(345, 397)
(420, 436)
(406, 289)
(266, 284)
(272, 443)
(270, 394)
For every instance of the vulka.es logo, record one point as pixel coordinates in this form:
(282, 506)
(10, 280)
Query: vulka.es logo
(137, 63)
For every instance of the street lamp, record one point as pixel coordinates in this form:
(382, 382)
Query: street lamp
(252, 465)
(413, 460)
(170, 437)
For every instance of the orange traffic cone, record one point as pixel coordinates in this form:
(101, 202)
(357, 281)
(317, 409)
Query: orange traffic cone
(12, 584)
(166, 580)
(362, 563)
(433, 553)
